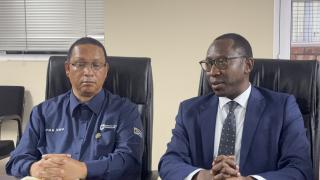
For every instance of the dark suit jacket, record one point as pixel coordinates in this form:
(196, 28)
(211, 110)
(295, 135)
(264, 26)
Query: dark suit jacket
(274, 143)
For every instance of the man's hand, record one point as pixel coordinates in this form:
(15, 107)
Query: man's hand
(203, 175)
(58, 166)
(71, 169)
(48, 168)
(224, 167)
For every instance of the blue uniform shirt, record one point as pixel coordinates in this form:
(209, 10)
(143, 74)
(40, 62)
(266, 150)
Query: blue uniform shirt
(105, 133)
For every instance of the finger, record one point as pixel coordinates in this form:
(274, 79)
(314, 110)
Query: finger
(55, 172)
(231, 163)
(219, 158)
(232, 157)
(222, 158)
(51, 163)
(216, 168)
(52, 178)
(43, 174)
(58, 161)
(230, 171)
(220, 176)
(47, 156)
(224, 163)
(227, 167)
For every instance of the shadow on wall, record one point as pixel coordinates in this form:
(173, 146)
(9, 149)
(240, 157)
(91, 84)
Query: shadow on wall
(28, 105)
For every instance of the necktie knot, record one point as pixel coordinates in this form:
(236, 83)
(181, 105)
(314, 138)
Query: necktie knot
(232, 105)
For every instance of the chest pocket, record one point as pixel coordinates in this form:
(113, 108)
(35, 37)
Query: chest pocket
(105, 144)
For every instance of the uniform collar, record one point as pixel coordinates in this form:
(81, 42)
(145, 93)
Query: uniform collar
(94, 104)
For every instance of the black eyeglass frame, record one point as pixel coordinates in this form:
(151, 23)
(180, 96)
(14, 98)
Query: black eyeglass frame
(220, 62)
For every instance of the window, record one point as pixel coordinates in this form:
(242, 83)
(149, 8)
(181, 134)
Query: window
(305, 22)
(48, 25)
(297, 29)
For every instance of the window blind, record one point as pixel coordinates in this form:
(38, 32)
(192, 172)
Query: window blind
(49, 25)
(305, 21)
(12, 25)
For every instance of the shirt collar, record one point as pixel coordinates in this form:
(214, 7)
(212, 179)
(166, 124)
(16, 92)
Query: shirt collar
(242, 99)
(94, 104)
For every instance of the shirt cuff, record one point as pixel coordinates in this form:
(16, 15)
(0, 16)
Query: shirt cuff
(190, 176)
(26, 168)
(94, 169)
(258, 177)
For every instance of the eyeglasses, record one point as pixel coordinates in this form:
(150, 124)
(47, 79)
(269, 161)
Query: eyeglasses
(220, 63)
(96, 66)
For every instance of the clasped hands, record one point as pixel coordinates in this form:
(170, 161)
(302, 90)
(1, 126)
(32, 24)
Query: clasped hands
(223, 168)
(58, 167)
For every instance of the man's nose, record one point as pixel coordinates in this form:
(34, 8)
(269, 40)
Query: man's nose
(88, 69)
(214, 71)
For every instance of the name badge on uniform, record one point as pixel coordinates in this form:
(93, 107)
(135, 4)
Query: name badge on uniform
(107, 126)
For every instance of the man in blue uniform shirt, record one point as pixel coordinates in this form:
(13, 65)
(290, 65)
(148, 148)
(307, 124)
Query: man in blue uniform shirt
(86, 133)
(239, 132)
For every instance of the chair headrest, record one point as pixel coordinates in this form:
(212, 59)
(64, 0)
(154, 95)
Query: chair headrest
(299, 78)
(134, 73)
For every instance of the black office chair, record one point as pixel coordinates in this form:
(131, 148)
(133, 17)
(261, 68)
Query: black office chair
(300, 78)
(128, 77)
(11, 108)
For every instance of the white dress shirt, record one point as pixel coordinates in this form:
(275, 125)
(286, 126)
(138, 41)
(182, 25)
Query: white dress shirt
(239, 113)
(222, 112)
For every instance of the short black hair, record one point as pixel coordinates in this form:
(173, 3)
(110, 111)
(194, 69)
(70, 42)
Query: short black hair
(86, 40)
(239, 42)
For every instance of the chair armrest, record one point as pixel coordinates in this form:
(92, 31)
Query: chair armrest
(152, 175)
(14, 118)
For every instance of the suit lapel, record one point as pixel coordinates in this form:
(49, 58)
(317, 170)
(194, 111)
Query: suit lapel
(255, 107)
(207, 120)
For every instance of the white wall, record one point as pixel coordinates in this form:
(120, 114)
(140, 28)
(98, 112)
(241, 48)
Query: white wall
(176, 35)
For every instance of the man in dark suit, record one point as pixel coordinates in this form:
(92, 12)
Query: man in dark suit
(239, 131)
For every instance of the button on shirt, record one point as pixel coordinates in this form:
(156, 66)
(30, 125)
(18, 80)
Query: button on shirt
(100, 133)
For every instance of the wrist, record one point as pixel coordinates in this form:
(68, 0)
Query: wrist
(83, 171)
(194, 177)
(32, 170)
(202, 174)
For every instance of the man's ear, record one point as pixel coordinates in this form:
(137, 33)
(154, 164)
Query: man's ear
(249, 63)
(67, 68)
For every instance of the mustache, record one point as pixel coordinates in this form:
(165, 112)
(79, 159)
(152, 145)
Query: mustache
(215, 81)
(88, 81)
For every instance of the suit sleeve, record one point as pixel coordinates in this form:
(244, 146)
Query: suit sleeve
(294, 160)
(176, 162)
(126, 159)
(26, 152)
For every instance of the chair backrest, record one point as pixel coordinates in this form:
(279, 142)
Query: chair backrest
(11, 105)
(300, 78)
(129, 77)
